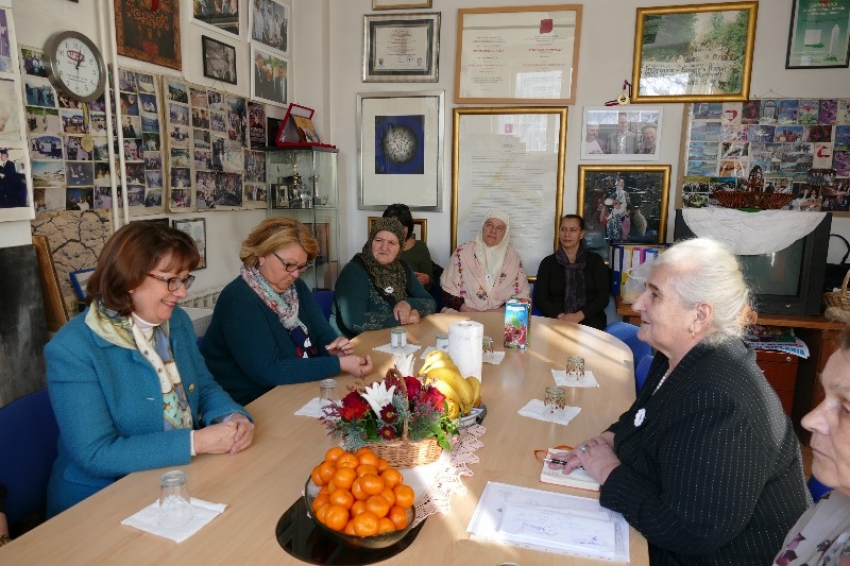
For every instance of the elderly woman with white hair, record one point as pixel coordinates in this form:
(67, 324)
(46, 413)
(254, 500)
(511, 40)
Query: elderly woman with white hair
(484, 273)
(705, 464)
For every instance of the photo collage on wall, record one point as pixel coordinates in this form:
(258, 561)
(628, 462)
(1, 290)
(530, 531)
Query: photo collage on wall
(211, 165)
(785, 137)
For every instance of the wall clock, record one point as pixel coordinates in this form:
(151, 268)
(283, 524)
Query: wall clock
(75, 66)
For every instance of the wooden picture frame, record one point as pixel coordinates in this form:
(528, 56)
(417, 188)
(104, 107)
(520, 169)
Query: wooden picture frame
(510, 159)
(400, 4)
(420, 228)
(608, 216)
(715, 69)
(496, 46)
(152, 37)
(196, 228)
(400, 149)
(401, 48)
(621, 133)
(819, 37)
(219, 60)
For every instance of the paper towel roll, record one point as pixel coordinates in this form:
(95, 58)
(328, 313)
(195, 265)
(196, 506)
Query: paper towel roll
(465, 347)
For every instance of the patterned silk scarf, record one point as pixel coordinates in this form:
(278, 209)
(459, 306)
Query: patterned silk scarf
(285, 306)
(125, 332)
(574, 288)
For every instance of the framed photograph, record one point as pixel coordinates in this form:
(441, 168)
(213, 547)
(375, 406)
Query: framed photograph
(498, 48)
(269, 77)
(222, 16)
(420, 228)
(401, 48)
(621, 133)
(820, 36)
(219, 60)
(197, 230)
(153, 37)
(623, 204)
(400, 157)
(400, 4)
(693, 53)
(510, 159)
(79, 281)
(322, 232)
(269, 24)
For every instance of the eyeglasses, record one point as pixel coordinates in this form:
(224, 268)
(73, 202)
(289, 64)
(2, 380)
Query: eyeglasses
(293, 267)
(174, 283)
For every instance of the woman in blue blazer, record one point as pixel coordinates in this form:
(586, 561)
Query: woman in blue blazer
(129, 388)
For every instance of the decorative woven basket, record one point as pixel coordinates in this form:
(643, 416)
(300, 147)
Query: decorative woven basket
(735, 199)
(838, 303)
(405, 453)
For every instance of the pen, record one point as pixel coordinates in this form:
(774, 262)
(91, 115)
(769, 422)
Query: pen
(554, 461)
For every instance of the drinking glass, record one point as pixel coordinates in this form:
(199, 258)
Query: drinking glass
(328, 392)
(175, 506)
(442, 342)
(554, 400)
(575, 367)
(399, 339)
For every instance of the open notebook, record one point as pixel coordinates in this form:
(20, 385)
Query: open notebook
(552, 472)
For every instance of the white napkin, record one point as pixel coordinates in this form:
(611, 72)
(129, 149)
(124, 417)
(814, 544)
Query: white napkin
(495, 358)
(561, 379)
(148, 519)
(535, 409)
(388, 349)
(313, 408)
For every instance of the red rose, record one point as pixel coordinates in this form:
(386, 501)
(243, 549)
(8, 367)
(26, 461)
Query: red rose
(434, 398)
(353, 406)
(414, 387)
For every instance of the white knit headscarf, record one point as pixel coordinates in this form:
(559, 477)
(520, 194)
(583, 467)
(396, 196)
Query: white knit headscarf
(494, 256)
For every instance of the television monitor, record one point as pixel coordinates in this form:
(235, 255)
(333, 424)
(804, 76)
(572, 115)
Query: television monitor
(789, 281)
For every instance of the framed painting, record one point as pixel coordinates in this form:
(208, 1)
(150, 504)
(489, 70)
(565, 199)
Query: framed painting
(693, 53)
(221, 16)
(510, 159)
(196, 228)
(516, 55)
(401, 48)
(152, 37)
(219, 60)
(621, 133)
(623, 204)
(420, 228)
(400, 158)
(400, 4)
(820, 35)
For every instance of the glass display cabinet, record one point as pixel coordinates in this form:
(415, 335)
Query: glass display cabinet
(303, 185)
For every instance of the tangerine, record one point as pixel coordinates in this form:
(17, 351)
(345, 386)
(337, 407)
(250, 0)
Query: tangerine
(366, 456)
(365, 524)
(382, 465)
(319, 501)
(392, 477)
(358, 507)
(385, 526)
(333, 454)
(404, 496)
(343, 498)
(389, 495)
(349, 528)
(336, 517)
(344, 477)
(378, 505)
(357, 490)
(321, 511)
(398, 516)
(347, 460)
(316, 477)
(364, 469)
(326, 472)
(372, 485)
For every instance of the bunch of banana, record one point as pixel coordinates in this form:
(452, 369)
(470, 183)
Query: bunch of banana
(462, 394)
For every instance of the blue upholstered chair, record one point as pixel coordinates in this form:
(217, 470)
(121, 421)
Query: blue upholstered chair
(325, 299)
(816, 488)
(28, 435)
(642, 371)
(628, 334)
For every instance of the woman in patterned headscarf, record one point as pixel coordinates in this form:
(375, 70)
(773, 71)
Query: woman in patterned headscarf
(128, 386)
(484, 273)
(377, 289)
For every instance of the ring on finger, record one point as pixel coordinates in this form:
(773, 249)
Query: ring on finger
(583, 447)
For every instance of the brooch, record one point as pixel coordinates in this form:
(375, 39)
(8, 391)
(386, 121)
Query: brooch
(640, 416)
(389, 290)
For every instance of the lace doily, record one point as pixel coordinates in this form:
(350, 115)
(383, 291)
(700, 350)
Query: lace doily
(445, 474)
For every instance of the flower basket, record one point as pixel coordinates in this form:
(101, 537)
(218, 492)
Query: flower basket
(838, 303)
(400, 419)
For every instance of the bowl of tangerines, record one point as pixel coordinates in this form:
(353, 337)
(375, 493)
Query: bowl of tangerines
(359, 499)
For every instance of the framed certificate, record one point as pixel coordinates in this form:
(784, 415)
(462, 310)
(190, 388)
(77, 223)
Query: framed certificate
(401, 48)
(525, 54)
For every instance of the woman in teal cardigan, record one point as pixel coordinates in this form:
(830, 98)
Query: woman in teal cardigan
(267, 329)
(377, 289)
(128, 386)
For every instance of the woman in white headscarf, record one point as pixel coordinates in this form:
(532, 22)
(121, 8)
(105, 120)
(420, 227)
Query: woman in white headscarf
(484, 273)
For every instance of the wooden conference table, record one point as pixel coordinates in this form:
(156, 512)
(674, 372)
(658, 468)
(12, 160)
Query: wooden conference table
(262, 482)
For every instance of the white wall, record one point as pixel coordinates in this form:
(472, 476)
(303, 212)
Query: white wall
(327, 42)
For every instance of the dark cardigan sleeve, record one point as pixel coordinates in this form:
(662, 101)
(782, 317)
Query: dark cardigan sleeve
(545, 288)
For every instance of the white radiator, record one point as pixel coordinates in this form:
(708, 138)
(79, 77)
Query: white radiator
(202, 300)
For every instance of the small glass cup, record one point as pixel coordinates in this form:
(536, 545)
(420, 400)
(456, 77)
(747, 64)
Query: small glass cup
(487, 345)
(442, 342)
(175, 506)
(399, 339)
(328, 394)
(554, 401)
(575, 367)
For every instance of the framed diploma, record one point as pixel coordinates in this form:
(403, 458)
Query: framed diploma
(525, 54)
(510, 159)
(401, 48)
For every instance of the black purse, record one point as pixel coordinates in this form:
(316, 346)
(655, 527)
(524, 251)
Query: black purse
(835, 272)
